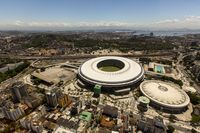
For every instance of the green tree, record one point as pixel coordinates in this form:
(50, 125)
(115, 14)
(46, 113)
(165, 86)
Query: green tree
(193, 130)
(195, 118)
(194, 98)
(172, 118)
(170, 129)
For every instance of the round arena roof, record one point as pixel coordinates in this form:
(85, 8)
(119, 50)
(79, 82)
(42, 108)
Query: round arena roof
(164, 93)
(111, 71)
(144, 100)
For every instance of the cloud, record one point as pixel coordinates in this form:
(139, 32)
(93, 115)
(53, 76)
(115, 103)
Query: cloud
(167, 21)
(191, 22)
(47, 24)
(193, 19)
(18, 23)
(104, 24)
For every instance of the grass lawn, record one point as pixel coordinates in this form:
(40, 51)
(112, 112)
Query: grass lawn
(109, 68)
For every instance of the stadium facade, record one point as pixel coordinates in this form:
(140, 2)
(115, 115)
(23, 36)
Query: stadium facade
(113, 73)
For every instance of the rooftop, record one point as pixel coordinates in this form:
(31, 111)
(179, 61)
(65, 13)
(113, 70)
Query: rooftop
(86, 116)
(110, 111)
(144, 99)
(165, 93)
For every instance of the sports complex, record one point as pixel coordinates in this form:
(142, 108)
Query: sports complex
(117, 74)
(165, 96)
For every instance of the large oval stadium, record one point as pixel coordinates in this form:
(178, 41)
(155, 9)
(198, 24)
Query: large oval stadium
(111, 72)
(165, 95)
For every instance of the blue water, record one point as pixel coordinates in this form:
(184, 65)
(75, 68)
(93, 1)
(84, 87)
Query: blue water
(159, 69)
(167, 33)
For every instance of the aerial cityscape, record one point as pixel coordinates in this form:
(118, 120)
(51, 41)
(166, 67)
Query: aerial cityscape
(74, 66)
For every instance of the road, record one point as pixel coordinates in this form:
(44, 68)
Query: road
(9, 81)
(80, 56)
(185, 77)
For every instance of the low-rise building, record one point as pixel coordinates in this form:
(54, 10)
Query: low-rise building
(110, 111)
(148, 125)
(34, 121)
(62, 130)
(85, 116)
(71, 124)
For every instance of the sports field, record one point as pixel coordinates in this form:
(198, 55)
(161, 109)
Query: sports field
(109, 68)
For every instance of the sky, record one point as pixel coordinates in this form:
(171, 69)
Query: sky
(93, 14)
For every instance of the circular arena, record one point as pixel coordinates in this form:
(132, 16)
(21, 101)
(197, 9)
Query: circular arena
(165, 96)
(111, 72)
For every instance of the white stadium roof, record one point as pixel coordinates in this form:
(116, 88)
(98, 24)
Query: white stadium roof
(164, 93)
(131, 72)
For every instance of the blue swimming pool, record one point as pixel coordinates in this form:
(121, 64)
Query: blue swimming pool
(159, 69)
